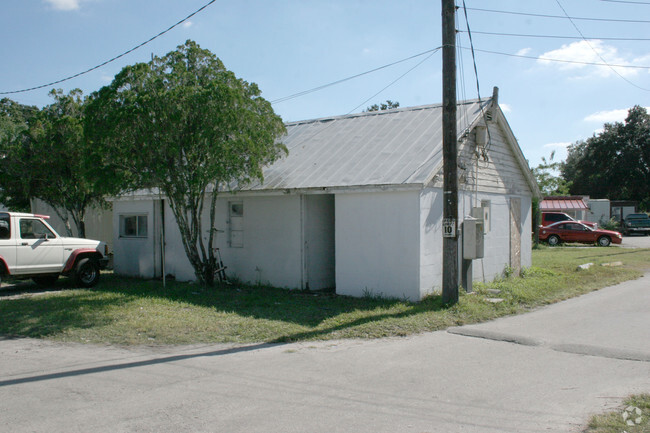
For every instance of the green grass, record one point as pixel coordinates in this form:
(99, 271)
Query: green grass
(617, 422)
(127, 311)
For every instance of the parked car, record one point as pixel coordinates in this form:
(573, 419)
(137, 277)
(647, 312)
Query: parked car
(31, 248)
(636, 223)
(574, 231)
(549, 218)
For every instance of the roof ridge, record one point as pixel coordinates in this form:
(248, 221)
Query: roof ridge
(382, 112)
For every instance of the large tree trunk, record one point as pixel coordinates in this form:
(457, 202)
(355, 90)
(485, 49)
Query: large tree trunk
(190, 227)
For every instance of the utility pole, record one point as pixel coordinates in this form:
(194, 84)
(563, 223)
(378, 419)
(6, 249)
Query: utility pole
(449, 155)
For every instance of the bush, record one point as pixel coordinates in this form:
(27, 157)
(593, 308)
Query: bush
(612, 224)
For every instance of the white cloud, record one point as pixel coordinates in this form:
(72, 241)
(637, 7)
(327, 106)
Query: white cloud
(64, 5)
(188, 24)
(524, 52)
(608, 116)
(505, 108)
(593, 51)
(559, 145)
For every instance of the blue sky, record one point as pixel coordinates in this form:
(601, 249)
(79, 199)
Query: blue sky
(289, 46)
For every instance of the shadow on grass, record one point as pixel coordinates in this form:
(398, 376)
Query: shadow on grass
(42, 316)
(30, 315)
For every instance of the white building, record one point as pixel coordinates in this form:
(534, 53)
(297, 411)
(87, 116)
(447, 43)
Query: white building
(356, 206)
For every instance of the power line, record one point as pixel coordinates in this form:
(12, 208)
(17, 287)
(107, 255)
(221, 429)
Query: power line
(305, 92)
(478, 88)
(561, 60)
(114, 58)
(524, 35)
(596, 51)
(558, 16)
(627, 1)
(397, 79)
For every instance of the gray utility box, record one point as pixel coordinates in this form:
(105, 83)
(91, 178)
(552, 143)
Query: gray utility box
(473, 238)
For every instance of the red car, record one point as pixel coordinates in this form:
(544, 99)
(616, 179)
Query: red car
(549, 218)
(573, 231)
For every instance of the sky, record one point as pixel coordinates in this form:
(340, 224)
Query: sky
(574, 64)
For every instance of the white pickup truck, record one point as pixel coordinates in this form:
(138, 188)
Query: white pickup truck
(31, 248)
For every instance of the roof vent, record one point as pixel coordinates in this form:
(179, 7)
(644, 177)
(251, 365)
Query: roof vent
(489, 113)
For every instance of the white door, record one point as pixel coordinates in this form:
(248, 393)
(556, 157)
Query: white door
(38, 249)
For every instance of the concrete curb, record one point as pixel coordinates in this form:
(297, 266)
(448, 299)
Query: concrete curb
(496, 336)
(578, 349)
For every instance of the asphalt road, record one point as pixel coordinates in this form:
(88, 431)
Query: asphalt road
(636, 241)
(546, 371)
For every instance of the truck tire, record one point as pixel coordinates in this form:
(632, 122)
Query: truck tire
(87, 272)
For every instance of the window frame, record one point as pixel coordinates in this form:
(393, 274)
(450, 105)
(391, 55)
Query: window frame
(49, 234)
(138, 226)
(236, 231)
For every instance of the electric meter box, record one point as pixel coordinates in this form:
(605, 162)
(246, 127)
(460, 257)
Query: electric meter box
(483, 213)
(473, 238)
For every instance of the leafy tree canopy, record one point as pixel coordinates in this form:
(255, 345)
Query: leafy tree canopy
(14, 121)
(388, 105)
(615, 163)
(548, 177)
(185, 124)
(48, 158)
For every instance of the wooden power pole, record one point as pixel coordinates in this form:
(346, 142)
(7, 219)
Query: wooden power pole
(449, 154)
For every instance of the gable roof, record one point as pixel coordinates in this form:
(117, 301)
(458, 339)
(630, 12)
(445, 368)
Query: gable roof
(395, 147)
(373, 150)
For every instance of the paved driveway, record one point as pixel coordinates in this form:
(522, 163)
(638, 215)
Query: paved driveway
(544, 371)
(636, 241)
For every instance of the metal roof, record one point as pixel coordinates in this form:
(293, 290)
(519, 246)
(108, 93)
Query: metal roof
(560, 204)
(394, 147)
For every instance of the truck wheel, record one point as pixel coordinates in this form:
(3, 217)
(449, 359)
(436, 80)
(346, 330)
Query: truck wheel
(553, 240)
(46, 280)
(87, 272)
(604, 241)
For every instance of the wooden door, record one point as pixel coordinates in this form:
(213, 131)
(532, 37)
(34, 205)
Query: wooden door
(515, 235)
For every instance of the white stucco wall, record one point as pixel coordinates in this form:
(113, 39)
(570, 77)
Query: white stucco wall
(497, 240)
(598, 210)
(272, 242)
(270, 253)
(99, 222)
(377, 244)
(134, 256)
(431, 208)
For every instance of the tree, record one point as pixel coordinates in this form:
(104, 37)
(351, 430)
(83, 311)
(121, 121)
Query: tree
(548, 177)
(68, 180)
(50, 159)
(14, 121)
(388, 105)
(185, 124)
(615, 163)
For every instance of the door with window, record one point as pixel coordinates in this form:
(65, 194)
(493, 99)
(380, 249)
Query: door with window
(38, 248)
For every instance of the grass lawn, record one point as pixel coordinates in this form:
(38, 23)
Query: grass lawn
(132, 312)
(633, 417)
